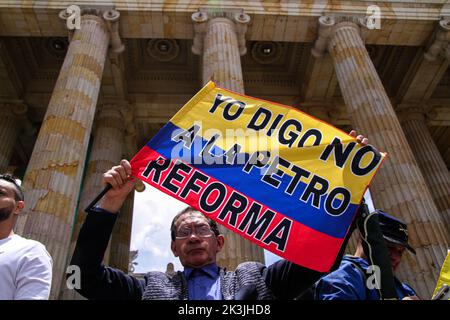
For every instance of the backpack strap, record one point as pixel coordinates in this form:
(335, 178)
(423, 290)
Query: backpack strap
(364, 275)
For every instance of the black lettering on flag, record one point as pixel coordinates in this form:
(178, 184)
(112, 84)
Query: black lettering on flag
(255, 161)
(293, 135)
(299, 172)
(274, 124)
(274, 171)
(267, 114)
(191, 186)
(340, 156)
(311, 189)
(218, 100)
(187, 136)
(280, 234)
(173, 174)
(157, 167)
(231, 208)
(211, 207)
(227, 115)
(356, 161)
(232, 152)
(251, 223)
(311, 133)
(344, 203)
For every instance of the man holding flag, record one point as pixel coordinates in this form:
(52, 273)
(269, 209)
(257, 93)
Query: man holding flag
(284, 180)
(195, 241)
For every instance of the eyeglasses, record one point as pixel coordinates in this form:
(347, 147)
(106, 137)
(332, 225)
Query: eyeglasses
(203, 231)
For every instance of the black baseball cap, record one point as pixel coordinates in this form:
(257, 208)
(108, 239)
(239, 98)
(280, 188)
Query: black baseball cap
(394, 230)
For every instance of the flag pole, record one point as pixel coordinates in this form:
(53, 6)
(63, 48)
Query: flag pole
(98, 197)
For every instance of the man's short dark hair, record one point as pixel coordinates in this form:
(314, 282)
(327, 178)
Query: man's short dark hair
(18, 192)
(212, 224)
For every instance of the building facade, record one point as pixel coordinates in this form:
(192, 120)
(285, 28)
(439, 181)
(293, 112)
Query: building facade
(82, 87)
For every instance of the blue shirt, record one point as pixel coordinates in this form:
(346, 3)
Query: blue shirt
(203, 283)
(348, 283)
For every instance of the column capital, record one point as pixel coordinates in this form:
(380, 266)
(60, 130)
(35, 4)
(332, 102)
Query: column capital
(199, 18)
(108, 110)
(203, 19)
(19, 110)
(106, 14)
(14, 108)
(112, 21)
(441, 43)
(328, 25)
(411, 111)
(241, 21)
(437, 115)
(417, 110)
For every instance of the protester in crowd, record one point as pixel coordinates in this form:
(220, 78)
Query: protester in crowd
(350, 280)
(25, 265)
(196, 241)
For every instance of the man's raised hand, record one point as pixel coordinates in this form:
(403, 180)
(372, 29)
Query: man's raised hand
(119, 177)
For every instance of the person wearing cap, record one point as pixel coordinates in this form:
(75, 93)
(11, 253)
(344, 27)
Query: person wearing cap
(348, 282)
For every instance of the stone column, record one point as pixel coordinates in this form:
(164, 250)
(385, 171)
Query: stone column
(221, 42)
(399, 187)
(429, 159)
(121, 237)
(53, 178)
(106, 151)
(119, 254)
(9, 133)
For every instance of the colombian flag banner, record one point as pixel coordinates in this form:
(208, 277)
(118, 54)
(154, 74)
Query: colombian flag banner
(282, 179)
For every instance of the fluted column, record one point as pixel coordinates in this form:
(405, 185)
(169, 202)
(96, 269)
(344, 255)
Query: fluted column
(9, 132)
(429, 159)
(121, 235)
(106, 151)
(53, 178)
(221, 42)
(119, 254)
(399, 187)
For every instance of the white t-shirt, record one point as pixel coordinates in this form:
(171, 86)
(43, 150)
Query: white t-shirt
(25, 269)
